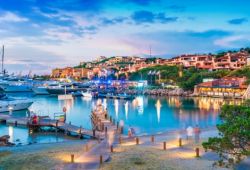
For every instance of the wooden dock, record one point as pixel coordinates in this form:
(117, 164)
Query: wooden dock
(68, 128)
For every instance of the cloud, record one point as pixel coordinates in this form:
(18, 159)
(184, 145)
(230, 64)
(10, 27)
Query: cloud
(238, 21)
(141, 17)
(176, 43)
(234, 41)
(113, 21)
(12, 17)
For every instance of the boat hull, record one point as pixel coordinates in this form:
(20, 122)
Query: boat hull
(15, 105)
(16, 88)
(40, 90)
(62, 91)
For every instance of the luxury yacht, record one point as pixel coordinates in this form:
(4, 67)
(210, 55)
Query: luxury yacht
(13, 104)
(16, 87)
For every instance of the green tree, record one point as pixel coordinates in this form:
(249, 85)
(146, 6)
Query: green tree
(234, 133)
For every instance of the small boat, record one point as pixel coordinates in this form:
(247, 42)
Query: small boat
(13, 104)
(16, 87)
(88, 94)
(116, 96)
(40, 90)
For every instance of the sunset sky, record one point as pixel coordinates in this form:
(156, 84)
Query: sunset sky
(42, 34)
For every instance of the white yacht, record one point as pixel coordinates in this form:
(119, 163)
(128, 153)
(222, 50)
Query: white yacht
(13, 104)
(43, 89)
(16, 87)
(88, 94)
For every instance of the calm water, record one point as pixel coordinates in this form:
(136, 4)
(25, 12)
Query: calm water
(147, 115)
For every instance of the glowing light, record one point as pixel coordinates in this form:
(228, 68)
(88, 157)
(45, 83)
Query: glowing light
(11, 132)
(116, 103)
(140, 105)
(104, 103)
(158, 109)
(126, 110)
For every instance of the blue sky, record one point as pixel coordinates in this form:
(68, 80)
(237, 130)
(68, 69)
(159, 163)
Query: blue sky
(42, 34)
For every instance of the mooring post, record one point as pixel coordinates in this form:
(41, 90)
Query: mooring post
(72, 158)
(111, 149)
(152, 139)
(197, 151)
(137, 140)
(180, 142)
(164, 146)
(100, 160)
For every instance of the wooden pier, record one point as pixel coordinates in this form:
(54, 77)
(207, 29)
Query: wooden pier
(68, 128)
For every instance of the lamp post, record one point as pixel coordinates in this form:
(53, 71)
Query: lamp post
(10, 108)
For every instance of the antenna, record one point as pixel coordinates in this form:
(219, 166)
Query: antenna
(150, 52)
(3, 60)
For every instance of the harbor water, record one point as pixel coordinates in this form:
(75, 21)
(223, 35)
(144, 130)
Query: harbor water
(146, 114)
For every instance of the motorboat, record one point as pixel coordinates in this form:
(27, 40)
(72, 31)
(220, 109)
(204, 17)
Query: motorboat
(16, 87)
(42, 89)
(88, 94)
(8, 104)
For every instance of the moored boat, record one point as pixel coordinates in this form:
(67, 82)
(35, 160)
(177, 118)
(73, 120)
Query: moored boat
(13, 104)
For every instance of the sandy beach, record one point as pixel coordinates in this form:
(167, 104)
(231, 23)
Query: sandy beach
(128, 155)
(41, 156)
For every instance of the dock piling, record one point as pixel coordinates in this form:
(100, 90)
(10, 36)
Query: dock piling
(180, 142)
(152, 138)
(197, 152)
(72, 158)
(137, 140)
(101, 160)
(164, 146)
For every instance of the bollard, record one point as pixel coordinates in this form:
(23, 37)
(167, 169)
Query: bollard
(137, 140)
(72, 158)
(180, 142)
(56, 123)
(16, 123)
(164, 146)
(122, 130)
(93, 132)
(100, 159)
(152, 139)
(120, 140)
(111, 149)
(197, 151)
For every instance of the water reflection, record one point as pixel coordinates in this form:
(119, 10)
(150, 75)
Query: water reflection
(145, 114)
(11, 133)
(126, 109)
(158, 109)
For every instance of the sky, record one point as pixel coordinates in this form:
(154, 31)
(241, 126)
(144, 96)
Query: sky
(40, 35)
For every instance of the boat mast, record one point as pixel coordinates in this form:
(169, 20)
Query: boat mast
(3, 60)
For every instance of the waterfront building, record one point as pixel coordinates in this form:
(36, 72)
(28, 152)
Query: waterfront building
(233, 87)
